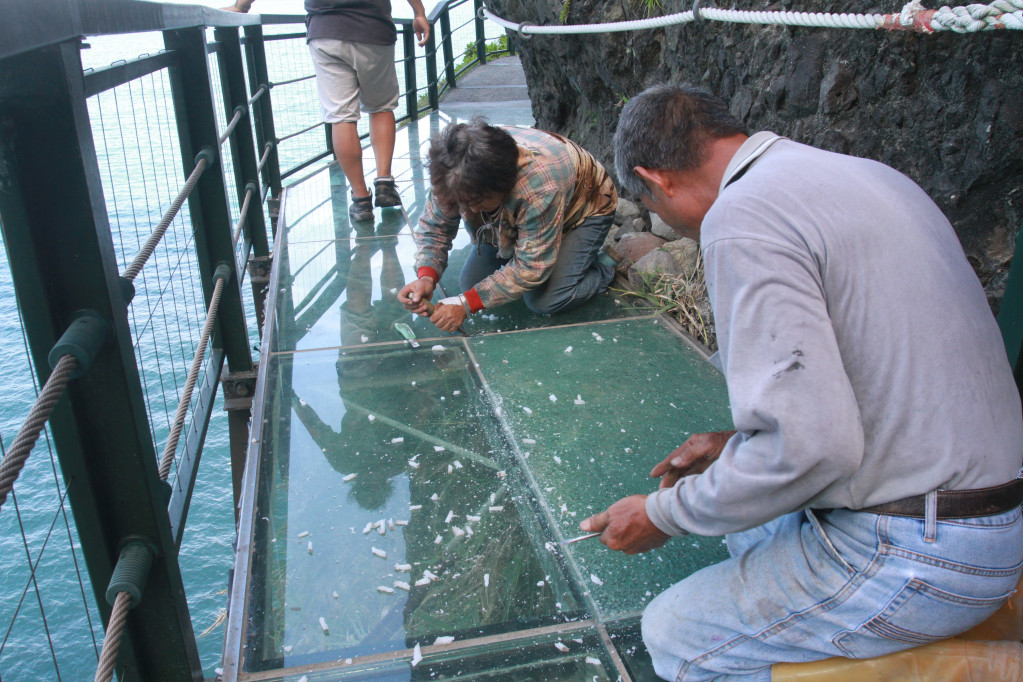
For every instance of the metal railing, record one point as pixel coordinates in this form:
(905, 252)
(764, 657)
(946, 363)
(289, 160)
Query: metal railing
(135, 203)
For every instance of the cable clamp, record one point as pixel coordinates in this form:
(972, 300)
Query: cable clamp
(524, 24)
(209, 154)
(83, 340)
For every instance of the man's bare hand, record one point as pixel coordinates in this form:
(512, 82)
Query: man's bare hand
(414, 295)
(625, 527)
(448, 317)
(692, 457)
(421, 27)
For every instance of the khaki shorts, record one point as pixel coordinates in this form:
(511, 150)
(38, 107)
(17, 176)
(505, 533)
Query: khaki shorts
(347, 72)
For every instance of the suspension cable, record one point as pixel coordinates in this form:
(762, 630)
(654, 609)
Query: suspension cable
(1000, 14)
(266, 154)
(15, 458)
(222, 273)
(147, 249)
(243, 214)
(259, 93)
(239, 111)
(112, 641)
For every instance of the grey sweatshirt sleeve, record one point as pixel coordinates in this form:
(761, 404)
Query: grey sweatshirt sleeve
(797, 420)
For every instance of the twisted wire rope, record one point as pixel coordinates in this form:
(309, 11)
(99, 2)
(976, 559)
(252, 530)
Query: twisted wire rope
(112, 642)
(41, 410)
(167, 459)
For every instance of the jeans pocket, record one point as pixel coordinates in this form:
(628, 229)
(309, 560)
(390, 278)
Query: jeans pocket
(829, 547)
(919, 614)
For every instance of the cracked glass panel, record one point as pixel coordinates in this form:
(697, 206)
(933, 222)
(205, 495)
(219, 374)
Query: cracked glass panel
(388, 512)
(592, 409)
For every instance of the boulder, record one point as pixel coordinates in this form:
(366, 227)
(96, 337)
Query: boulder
(685, 252)
(658, 261)
(626, 212)
(662, 229)
(635, 245)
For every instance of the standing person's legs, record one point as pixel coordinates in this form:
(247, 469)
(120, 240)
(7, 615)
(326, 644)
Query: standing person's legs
(348, 151)
(577, 275)
(813, 585)
(378, 81)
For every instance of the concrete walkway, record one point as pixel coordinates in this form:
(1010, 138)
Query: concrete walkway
(498, 85)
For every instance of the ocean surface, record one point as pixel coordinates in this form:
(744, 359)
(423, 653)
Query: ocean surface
(49, 625)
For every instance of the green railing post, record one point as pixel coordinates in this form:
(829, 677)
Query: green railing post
(1010, 315)
(481, 32)
(62, 260)
(262, 111)
(408, 41)
(431, 71)
(449, 55)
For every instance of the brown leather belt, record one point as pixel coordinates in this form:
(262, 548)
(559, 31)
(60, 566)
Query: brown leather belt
(958, 504)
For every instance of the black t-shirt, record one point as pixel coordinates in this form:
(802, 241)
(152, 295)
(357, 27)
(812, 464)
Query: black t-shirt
(361, 21)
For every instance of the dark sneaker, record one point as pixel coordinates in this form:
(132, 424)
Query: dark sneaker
(361, 209)
(387, 194)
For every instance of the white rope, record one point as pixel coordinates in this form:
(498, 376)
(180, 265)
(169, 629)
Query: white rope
(1000, 14)
(112, 641)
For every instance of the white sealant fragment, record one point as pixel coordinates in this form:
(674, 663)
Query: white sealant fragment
(468, 531)
(451, 515)
(414, 507)
(457, 531)
(399, 439)
(564, 508)
(303, 534)
(450, 469)
(402, 585)
(302, 402)
(486, 580)
(422, 582)
(348, 661)
(430, 575)
(526, 410)
(592, 661)
(435, 497)
(379, 552)
(595, 580)
(528, 441)
(579, 399)
(497, 507)
(369, 527)
(557, 460)
(390, 524)
(458, 465)
(540, 584)
(349, 477)
(438, 348)
(561, 646)
(569, 349)
(334, 594)
(304, 678)
(578, 641)
(437, 540)
(309, 547)
(401, 522)
(382, 529)
(673, 405)
(444, 639)
(553, 398)
(470, 517)
(502, 473)
(413, 463)
(597, 336)
(384, 589)
(493, 498)
(288, 648)
(417, 656)
(371, 417)
(456, 393)
(323, 626)
(438, 448)
(364, 338)
(403, 568)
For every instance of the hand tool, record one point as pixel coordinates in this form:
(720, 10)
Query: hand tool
(577, 539)
(429, 313)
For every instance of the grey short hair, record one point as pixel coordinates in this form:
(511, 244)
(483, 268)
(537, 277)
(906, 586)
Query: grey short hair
(469, 161)
(667, 127)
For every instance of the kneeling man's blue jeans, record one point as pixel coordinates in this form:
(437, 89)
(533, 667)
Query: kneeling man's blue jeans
(816, 584)
(576, 276)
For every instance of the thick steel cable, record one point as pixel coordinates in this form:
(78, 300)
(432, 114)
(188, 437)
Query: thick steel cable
(132, 271)
(112, 640)
(238, 113)
(294, 80)
(243, 215)
(304, 130)
(1000, 14)
(19, 451)
(193, 374)
(259, 93)
(266, 154)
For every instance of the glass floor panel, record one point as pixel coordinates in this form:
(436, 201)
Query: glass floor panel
(596, 407)
(628, 642)
(389, 514)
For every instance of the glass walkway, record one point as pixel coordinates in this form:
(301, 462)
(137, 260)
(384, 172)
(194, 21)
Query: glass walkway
(403, 518)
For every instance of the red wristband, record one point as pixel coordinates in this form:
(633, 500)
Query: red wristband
(427, 271)
(475, 303)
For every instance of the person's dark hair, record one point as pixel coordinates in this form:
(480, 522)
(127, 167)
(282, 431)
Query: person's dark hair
(469, 161)
(667, 127)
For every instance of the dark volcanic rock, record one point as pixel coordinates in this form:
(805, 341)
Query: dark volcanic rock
(945, 109)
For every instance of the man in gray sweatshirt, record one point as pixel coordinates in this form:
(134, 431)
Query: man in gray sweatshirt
(869, 494)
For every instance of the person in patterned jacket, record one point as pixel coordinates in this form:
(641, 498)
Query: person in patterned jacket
(538, 208)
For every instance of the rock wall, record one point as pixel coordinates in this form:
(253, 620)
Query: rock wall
(945, 109)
